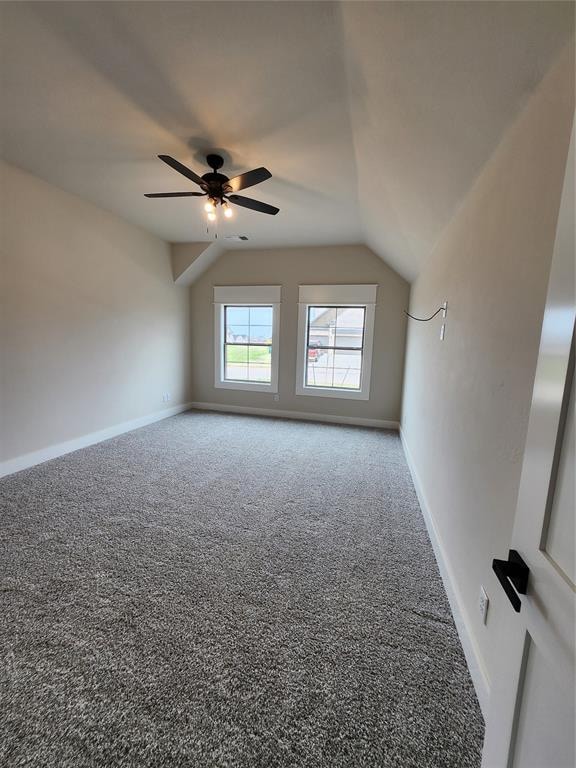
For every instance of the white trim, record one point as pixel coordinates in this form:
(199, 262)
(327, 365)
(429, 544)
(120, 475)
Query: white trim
(337, 294)
(247, 294)
(253, 386)
(457, 605)
(27, 460)
(344, 394)
(297, 415)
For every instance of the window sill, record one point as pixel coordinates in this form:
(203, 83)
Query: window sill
(249, 386)
(343, 394)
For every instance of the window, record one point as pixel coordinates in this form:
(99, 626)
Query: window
(335, 338)
(336, 326)
(246, 354)
(248, 343)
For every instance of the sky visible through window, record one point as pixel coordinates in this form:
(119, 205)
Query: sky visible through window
(334, 347)
(248, 343)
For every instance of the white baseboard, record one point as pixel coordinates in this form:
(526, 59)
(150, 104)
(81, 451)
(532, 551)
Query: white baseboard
(297, 415)
(469, 645)
(53, 451)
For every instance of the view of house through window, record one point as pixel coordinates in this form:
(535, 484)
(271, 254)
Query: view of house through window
(248, 343)
(334, 347)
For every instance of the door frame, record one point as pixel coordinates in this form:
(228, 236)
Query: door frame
(548, 588)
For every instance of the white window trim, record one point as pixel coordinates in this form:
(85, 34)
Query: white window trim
(342, 296)
(252, 296)
(355, 295)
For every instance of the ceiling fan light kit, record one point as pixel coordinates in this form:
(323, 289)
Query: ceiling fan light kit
(220, 190)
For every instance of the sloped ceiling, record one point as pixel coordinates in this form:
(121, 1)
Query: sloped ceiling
(433, 87)
(374, 118)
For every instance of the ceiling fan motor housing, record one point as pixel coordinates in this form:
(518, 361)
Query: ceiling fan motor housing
(215, 181)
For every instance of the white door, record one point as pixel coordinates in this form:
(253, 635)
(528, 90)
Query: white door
(531, 716)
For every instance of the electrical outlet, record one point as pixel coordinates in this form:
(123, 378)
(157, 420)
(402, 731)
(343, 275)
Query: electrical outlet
(483, 603)
(442, 331)
(276, 398)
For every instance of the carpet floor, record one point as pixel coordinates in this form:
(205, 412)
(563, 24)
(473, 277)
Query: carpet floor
(218, 591)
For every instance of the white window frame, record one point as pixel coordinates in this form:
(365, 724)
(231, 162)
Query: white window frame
(340, 296)
(249, 296)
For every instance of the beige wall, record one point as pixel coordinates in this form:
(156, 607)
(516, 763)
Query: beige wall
(466, 399)
(291, 267)
(93, 330)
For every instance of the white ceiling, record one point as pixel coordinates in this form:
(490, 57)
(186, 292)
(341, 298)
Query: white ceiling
(374, 118)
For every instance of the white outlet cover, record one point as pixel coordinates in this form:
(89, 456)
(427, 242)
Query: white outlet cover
(442, 331)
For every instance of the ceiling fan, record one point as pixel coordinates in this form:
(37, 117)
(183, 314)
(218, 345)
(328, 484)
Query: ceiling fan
(219, 189)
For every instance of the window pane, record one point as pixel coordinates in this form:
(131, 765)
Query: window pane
(261, 316)
(237, 315)
(350, 317)
(319, 356)
(346, 378)
(321, 337)
(260, 364)
(237, 333)
(259, 354)
(318, 376)
(348, 359)
(321, 317)
(236, 362)
(261, 334)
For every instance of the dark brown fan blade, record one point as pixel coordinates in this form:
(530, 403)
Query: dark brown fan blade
(175, 194)
(248, 179)
(255, 205)
(182, 169)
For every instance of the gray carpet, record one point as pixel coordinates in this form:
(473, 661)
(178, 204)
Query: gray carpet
(227, 591)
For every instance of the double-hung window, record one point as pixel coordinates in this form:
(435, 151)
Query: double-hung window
(246, 337)
(335, 331)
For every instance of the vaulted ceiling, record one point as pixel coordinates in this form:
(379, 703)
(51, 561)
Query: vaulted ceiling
(375, 118)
